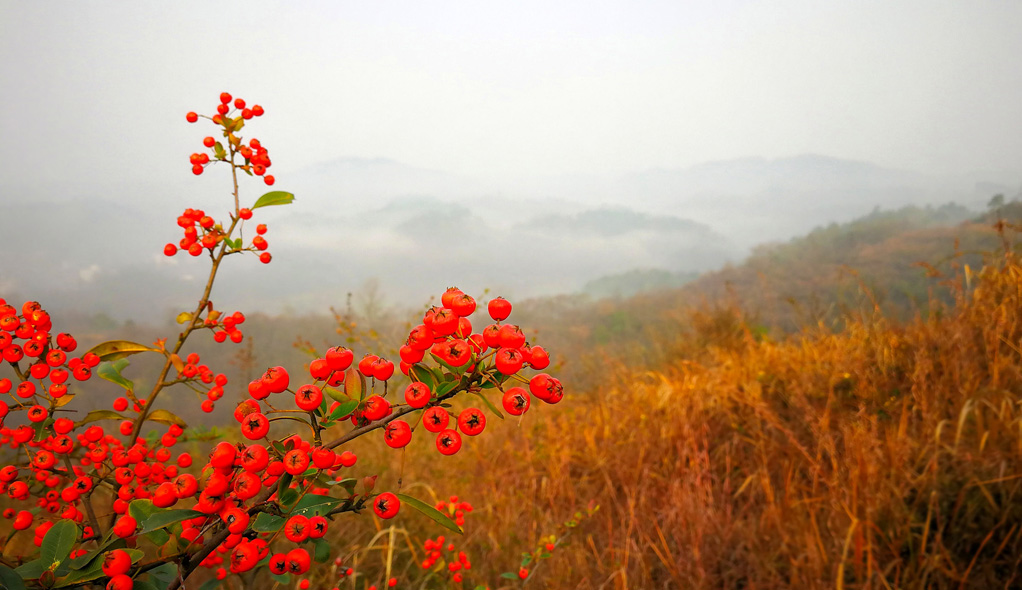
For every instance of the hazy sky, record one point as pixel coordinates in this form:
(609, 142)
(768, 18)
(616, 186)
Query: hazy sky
(97, 91)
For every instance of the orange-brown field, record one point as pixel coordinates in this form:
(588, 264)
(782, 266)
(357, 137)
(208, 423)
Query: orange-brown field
(884, 456)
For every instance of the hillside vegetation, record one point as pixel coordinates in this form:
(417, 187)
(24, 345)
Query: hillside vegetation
(886, 455)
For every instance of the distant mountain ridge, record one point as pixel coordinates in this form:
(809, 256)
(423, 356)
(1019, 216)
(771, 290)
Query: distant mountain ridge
(413, 228)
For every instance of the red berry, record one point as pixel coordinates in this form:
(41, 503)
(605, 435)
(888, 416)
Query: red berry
(397, 434)
(499, 308)
(417, 395)
(448, 442)
(125, 527)
(269, 180)
(225, 98)
(386, 505)
(516, 401)
(435, 419)
(116, 562)
(308, 397)
(471, 421)
(191, 117)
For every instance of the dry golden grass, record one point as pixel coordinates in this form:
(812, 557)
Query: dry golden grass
(884, 456)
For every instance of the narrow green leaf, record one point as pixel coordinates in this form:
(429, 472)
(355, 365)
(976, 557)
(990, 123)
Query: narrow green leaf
(354, 384)
(165, 518)
(111, 371)
(144, 585)
(322, 554)
(95, 569)
(284, 483)
(118, 349)
(273, 198)
(344, 409)
(434, 514)
(267, 523)
(164, 575)
(58, 542)
(142, 510)
(316, 503)
(9, 579)
(445, 388)
(284, 579)
(165, 417)
(42, 429)
(210, 584)
(489, 405)
(109, 541)
(159, 537)
(336, 394)
(95, 415)
(31, 570)
(419, 372)
(509, 576)
(347, 483)
(288, 496)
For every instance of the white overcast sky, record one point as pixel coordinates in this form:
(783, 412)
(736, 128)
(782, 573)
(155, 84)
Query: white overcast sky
(95, 91)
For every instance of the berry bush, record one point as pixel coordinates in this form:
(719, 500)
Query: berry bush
(88, 505)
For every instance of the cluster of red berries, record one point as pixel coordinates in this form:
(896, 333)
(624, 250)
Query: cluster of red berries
(203, 233)
(257, 158)
(27, 336)
(455, 562)
(200, 375)
(446, 332)
(228, 327)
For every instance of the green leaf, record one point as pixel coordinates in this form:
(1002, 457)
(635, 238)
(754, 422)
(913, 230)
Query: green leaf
(344, 409)
(354, 384)
(111, 371)
(336, 394)
(109, 541)
(143, 585)
(141, 510)
(284, 483)
(273, 198)
(158, 537)
(316, 503)
(165, 417)
(31, 570)
(445, 388)
(322, 554)
(419, 372)
(283, 579)
(509, 576)
(489, 405)
(9, 579)
(210, 584)
(288, 496)
(94, 569)
(58, 542)
(42, 429)
(165, 518)
(457, 370)
(434, 514)
(267, 523)
(95, 415)
(164, 575)
(347, 483)
(118, 349)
